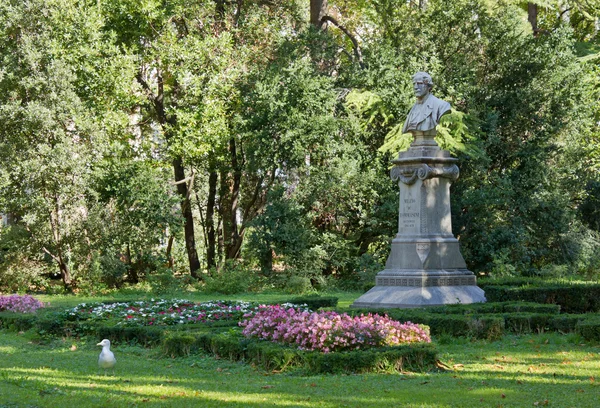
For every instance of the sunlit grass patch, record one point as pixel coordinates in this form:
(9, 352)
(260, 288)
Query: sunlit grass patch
(516, 371)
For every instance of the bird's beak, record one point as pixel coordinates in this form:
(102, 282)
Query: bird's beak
(99, 344)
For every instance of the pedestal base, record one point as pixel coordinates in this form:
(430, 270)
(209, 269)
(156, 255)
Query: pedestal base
(410, 297)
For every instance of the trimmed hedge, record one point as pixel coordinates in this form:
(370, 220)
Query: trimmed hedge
(313, 302)
(272, 356)
(589, 329)
(478, 326)
(573, 298)
(497, 307)
(17, 321)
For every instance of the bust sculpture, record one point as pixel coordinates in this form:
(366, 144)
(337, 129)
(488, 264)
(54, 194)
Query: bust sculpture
(427, 111)
(425, 266)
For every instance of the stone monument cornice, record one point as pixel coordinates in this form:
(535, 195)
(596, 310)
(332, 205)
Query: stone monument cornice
(410, 174)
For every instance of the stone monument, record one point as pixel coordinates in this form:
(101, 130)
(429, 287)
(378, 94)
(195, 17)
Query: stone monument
(425, 266)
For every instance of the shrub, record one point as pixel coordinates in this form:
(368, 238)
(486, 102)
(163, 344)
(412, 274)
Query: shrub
(495, 307)
(274, 356)
(573, 298)
(412, 357)
(565, 323)
(16, 321)
(455, 325)
(330, 331)
(314, 302)
(521, 323)
(589, 329)
(20, 303)
(232, 278)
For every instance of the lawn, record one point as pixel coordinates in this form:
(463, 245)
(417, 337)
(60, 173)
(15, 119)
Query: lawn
(518, 371)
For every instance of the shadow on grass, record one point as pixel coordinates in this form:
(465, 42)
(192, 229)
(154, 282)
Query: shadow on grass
(34, 375)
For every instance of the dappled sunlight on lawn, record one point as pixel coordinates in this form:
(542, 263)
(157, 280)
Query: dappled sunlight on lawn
(513, 372)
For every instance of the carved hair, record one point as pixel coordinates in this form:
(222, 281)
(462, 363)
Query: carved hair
(425, 77)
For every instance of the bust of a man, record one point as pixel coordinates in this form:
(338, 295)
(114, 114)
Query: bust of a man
(427, 111)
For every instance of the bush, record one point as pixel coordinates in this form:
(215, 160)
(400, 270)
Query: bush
(272, 356)
(521, 323)
(16, 321)
(20, 303)
(413, 357)
(573, 298)
(330, 331)
(21, 274)
(495, 307)
(314, 302)
(233, 277)
(589, 329)
(482, 327)
(566, 323)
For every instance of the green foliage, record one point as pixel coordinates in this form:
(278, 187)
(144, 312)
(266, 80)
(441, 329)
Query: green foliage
(589, 329)
(314, 302)
(479, 326)
(573, 298)
(286, 138)
(275, 357)
(233, 277)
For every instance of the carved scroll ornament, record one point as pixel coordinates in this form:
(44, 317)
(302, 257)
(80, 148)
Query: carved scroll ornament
(409, 174)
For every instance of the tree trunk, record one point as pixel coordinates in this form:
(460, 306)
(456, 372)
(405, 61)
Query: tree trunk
(210, 221)
(186, 209)
(168, 252)
(65, 273)
(317, 11)
(166, 123)
(532, 13)
(229, 192)
(133, 267)
(236, 238)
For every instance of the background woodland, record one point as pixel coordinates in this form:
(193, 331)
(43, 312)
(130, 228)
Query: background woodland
(246, 144)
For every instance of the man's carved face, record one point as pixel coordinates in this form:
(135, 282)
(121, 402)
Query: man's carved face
(420, 88)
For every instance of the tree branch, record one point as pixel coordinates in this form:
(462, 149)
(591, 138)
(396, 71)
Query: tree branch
(355, 46)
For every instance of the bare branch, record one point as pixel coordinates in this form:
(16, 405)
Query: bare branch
(355, 45)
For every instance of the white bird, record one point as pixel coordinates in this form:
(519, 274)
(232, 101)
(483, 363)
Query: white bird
(106, 359)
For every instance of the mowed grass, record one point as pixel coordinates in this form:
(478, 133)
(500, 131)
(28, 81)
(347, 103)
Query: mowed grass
(518, 371)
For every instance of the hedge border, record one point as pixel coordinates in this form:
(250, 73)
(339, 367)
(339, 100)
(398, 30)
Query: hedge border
(271, 356)
(573, 298)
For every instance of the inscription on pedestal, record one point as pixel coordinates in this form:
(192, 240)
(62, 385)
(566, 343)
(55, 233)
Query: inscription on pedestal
(409, 219)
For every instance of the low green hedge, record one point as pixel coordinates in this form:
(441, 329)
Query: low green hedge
(17, 321)
(494, 307)
(478, 326)
(572, 298)
(313, 302)
(486, 326)
(589, 329)
(272, 356)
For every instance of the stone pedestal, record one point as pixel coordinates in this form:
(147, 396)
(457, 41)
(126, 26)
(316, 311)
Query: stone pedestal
(425, 266)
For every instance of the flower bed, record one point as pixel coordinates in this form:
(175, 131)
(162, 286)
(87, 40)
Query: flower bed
(330, 331)
(162, 312)
(20, 303)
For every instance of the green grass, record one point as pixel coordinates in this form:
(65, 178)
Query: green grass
(516, 372)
